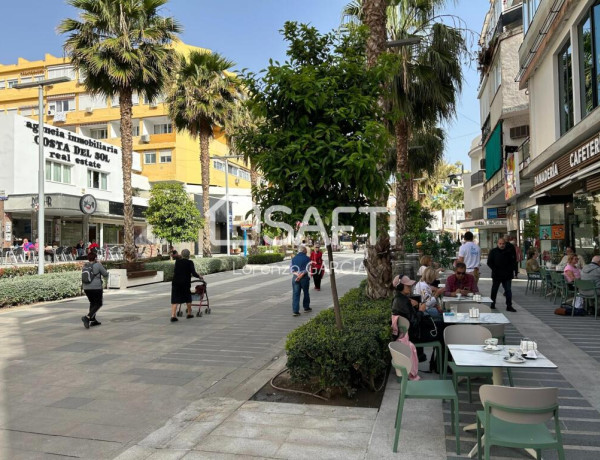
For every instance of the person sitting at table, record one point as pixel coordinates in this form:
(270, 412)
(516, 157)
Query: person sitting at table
(572, 272)
(591, 272)
(460, 282)
(423, 328)
(27, 246)
(93, 247)
(80, 248)
(429, 293)
(532, 265)
(565, 260)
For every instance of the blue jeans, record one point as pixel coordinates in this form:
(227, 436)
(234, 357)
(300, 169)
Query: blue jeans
(304, 285)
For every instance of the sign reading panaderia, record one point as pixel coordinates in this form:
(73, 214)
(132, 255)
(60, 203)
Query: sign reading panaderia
(545, 175)
(70, 147)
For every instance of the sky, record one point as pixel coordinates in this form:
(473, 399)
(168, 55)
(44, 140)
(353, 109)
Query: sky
(244, 31)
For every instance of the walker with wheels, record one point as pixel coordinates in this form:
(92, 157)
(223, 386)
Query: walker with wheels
(199, 299)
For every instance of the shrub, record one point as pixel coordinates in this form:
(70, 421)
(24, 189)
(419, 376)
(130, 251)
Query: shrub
(39, 288)
(203, 266)
(265, 258)
(353, 357)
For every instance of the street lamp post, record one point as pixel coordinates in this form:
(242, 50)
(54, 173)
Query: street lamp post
(227, 158)
(41, 176)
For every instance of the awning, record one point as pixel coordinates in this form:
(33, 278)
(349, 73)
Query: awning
(562, 183)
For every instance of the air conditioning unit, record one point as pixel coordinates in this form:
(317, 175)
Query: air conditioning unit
(89, 110)
(153, 105)
(51, 112)
(145, 138)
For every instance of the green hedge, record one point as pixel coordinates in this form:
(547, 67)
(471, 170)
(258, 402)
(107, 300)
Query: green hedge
(348, 359)
(203, 266)
(39, 288)
(265, 258)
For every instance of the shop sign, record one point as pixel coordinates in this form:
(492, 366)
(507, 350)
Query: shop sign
(490, 223)
(583, 155)
(496, 213)
(88, 204)
(512, 186)
(67, 146)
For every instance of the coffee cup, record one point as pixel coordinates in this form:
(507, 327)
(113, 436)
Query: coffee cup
(458, 296)
(512, 352)
(493, 341)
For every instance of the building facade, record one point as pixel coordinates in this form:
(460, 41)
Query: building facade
(559, 65)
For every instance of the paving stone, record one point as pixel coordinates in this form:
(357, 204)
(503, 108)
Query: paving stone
(233, 445)
(71, 402)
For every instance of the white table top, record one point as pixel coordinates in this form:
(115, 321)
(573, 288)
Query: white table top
(475, 355)
(447, 299)
(484, 318)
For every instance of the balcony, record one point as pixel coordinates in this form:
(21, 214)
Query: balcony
(477, 213)
(477, 178)
(493, 185)
(524, 154)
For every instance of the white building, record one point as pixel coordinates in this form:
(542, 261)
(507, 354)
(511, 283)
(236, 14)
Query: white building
(75, 166)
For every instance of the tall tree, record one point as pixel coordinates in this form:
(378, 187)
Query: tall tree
(203, 94)
(319, 140)
(121, 47)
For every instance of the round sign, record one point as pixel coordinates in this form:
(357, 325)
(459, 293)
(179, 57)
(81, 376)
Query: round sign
(87, 204)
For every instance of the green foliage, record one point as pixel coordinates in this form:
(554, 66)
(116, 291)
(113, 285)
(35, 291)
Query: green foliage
(265, 258)
(39, 288)
(350, 358)
(418, 219)
(204, 266)
(320, 139)
(532, 226)
(172, 214)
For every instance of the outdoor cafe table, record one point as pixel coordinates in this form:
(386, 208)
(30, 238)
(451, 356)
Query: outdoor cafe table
(448, 299)
(476, 356)
(484, 318)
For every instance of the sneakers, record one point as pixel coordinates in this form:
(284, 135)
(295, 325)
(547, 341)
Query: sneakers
(511, 309)
(189, 316)
(95, 322)
(86, 322)
(174, 319)
(307, 310)
(295, 314)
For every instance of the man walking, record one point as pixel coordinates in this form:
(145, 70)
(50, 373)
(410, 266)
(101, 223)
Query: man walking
(510, 245)
(502, 263)
(470, 254)
(300, 280)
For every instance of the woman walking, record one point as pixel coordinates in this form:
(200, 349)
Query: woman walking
(182, 283)
(316, 266)
(92, 274)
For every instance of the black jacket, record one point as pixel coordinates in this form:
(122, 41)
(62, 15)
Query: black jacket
(511, 247)
(502, 262)
(184, 269)
(401, 306)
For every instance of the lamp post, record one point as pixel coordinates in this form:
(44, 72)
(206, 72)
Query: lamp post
(41, 176)
(227, 158)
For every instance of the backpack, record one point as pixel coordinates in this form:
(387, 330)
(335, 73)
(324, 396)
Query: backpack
(87, 273)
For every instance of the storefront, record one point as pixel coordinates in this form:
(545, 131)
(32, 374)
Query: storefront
(567, 198)
(83, 186)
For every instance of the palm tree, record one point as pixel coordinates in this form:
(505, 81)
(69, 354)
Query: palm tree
(122, 47)
(203, 94)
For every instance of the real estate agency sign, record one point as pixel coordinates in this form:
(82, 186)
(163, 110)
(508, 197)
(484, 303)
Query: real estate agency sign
(583, 155)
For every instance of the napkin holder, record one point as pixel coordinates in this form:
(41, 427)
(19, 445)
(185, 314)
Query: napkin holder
(473, 312)
(528, 345)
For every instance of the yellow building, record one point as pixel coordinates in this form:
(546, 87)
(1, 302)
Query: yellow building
(166, 155)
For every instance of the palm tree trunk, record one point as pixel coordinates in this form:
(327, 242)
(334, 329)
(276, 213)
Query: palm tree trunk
(125, 104)
(378, 264)
(334, 293)
(205, 132)
(254, 235)
(403, 185)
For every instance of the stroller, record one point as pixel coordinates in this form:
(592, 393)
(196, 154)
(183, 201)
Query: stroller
(199, 299)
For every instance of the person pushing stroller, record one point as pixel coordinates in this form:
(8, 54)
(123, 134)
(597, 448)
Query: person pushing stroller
(182, 283)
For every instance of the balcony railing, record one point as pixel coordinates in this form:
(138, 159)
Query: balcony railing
(492, 185)
(477, 178)
(524, 154)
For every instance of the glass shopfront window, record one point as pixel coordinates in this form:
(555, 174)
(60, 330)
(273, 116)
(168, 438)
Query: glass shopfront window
(111, 234)
(529, 232)
(586, 233)
(552, 232)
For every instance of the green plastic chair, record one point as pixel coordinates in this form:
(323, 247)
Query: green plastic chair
(420, 389)
(543, 281)
(587, 290)
(403, 322)
(466, 334)
(516, 417)
(560, 287)
(532, 280)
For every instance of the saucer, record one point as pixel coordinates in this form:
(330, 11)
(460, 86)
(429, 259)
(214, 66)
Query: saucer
(514, 360)
(491, 348)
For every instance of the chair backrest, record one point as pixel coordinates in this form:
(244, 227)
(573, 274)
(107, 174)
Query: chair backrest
(520, 405)
(543, 271)
(59, 250)
(401, 354)
(497, 330)
(585, 285)
(466, 334)
(464, 307)
(404, 323)
(18, 251)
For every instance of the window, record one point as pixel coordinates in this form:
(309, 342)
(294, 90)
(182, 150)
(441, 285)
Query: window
(589, 60)
(26, 79)
(565, 88)
(61, 71)
(97, 180)
(529, 9)
(12, 83)
(99, 133)
(149, 158)
(135, 130)
(163, 128)
(61, 106)
(38, 78)
(165, 156)
(218, 165)
(58, 172)
(2, 84)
